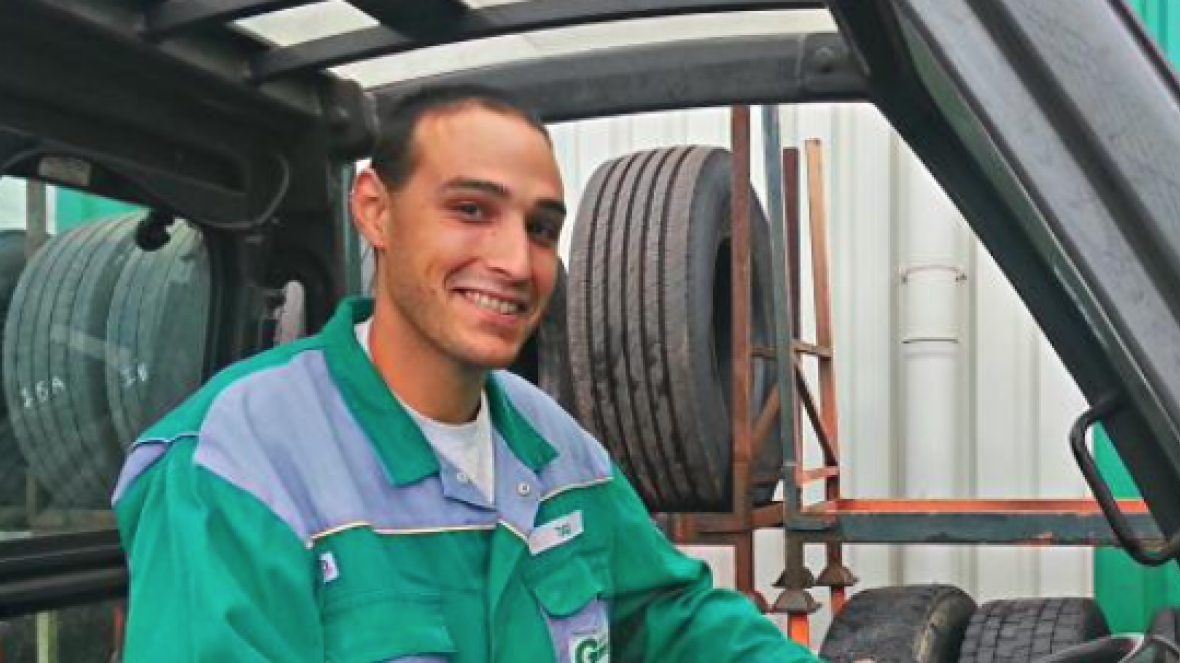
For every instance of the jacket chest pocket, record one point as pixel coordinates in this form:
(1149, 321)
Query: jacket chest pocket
(383, 627)
(571, 599)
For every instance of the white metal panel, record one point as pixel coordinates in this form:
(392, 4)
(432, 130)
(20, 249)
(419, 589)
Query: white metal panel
(709, 26)
(932, 394)
(307, 22)
(1016, 401)
(12, 203)
(324, 19)
(438, 60)
(864, 244)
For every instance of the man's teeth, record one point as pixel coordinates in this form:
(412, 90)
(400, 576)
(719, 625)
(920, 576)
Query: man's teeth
(493, 304)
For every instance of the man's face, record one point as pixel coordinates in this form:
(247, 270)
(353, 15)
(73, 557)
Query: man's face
(469, 243)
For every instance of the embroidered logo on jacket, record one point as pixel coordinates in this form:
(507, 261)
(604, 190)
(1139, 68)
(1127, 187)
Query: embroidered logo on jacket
(590, 648)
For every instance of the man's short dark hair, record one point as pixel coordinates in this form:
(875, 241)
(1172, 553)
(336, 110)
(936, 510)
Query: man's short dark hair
(392, 156)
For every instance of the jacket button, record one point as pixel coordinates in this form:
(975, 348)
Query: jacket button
(523, 489)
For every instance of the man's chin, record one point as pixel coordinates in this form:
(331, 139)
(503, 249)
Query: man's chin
(493, 361)
(489, 352)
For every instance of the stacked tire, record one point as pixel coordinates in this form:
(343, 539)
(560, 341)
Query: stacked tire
(12, 465)
(1019, 630)
(941, 624)
(54, 361)
(156, 331)
(649, 324)
(904, 624)
(101, 338)
(544, 358)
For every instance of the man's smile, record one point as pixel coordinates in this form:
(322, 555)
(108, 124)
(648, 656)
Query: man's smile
(501, 304)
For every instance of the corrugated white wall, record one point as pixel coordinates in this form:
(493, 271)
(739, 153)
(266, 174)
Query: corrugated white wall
(1014, 400)
(12, 203)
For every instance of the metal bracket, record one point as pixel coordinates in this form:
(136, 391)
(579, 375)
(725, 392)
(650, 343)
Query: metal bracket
(151, 233)
(1118, 521)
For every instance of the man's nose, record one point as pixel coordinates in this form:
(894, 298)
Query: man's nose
(508, 250)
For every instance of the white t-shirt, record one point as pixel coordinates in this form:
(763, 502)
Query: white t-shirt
(466, 446)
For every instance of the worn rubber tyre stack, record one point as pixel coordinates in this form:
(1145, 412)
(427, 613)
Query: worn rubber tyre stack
(909, 624)
(554, 374)
(544, 358)
(649, 324)
(1025, 630)
(54, 362)
(156, 331)
(12, 464)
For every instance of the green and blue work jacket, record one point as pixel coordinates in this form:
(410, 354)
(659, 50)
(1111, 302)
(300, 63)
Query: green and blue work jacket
(291, 511)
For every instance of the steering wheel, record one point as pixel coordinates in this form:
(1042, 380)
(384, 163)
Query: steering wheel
(1119, 649)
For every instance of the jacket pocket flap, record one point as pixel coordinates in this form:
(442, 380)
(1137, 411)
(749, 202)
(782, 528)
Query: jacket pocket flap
(564, 589)
(379, 626)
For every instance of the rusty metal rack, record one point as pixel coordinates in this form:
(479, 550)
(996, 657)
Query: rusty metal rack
(835, 520)
(736, 527)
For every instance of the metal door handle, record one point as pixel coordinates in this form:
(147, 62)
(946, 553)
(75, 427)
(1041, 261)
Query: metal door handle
(1143, 554)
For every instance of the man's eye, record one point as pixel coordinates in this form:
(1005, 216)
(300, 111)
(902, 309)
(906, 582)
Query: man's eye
(470, 210)
(545, 231)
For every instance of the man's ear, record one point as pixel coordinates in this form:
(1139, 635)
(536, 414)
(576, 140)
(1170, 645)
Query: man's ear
(370, 207)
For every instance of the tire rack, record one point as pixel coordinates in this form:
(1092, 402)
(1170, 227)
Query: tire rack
(836, 520)
(735, 528)
(88, 526)
(35, 513)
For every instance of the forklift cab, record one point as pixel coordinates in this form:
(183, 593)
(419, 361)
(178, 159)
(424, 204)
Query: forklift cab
(1054, 126)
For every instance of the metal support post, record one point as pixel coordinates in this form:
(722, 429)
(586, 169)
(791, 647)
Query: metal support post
(743, 453)
(36, 216)
(48, 626)
(835, 576)
(795, 600)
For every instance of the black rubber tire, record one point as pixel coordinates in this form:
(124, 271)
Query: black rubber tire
(1025, 630)
(13, 469)
(12, 464)
(544, 358)
(156, 331)
(649, 324)
(54, 362)
(554, 374)
(1165, 623)
(910, 624)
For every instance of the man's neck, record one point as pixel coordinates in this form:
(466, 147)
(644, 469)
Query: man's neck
(423, 378)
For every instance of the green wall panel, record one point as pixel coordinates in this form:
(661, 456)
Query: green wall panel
(74, 209)
(1130, 593)
(1162, 18)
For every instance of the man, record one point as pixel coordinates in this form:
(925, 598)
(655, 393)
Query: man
(381, 492)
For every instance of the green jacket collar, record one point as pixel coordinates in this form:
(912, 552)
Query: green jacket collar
(404, 451)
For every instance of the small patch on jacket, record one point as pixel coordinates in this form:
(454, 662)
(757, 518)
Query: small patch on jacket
(555, 532)
(328, 569)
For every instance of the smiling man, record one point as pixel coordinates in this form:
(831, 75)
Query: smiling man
(383, 491)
